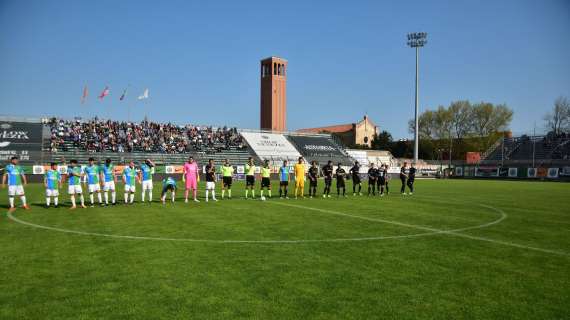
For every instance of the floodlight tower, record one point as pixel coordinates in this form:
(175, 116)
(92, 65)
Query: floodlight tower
(417, 40)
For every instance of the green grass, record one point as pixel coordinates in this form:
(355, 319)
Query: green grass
(478, 273)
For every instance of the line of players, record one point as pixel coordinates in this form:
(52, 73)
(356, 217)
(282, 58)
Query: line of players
(102, 178)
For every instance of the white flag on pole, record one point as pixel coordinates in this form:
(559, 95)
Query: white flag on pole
(144, 95)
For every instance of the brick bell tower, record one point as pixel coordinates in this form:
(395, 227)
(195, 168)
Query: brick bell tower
(273, 94)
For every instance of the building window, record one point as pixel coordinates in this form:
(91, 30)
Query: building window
(283, 70)
(275, 68)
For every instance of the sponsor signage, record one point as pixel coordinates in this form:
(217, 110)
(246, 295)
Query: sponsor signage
(317, 146)
(459, 171)
(270, 145)
(552, 172)
(19, 139)
(487, 172)
(531, 172)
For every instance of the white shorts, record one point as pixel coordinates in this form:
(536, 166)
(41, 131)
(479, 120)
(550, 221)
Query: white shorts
(16, 190)
(109, 185)
(129, 188)
(52, 193)
(147, 185)
(74, 188)
(94, 188)
(210, 185)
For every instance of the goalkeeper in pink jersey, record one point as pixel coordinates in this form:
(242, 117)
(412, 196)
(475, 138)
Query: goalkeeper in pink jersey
(190, 178)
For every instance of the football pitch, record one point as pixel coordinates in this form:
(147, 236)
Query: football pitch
(457, 249)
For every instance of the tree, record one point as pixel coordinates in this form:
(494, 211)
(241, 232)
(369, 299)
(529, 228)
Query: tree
(425, 123)
(443, 123)
(488, 119)
(382, 141)
(461, 117)
(559, 120)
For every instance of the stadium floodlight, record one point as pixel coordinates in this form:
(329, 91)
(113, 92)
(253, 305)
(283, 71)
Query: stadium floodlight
(417, 40)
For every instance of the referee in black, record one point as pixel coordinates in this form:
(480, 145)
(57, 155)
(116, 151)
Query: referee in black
(403, 176)
(411, 178)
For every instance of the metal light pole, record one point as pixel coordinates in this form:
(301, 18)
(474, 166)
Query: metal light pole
(417, 40)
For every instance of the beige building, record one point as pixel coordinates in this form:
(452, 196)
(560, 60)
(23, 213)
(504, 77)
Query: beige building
(351, 134)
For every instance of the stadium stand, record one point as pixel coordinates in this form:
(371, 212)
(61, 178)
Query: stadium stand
(548, 147)
(123, 141)
(112, 136)
(320, 148)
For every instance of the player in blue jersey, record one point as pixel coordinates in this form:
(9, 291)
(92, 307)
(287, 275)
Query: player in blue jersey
(284, 178)
(168, 184)
(16, 181)
(93, 172)
(130, 178)
(74, 176)
(52, 182)
(109, 180)
(145, 175)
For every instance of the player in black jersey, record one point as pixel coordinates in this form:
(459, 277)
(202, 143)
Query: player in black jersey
(313, 175)
(340, 180)
(411, 178)
(404, 171)
(211, 180)
(355, 173)
(372, 178)
(328, 174)
(386, 179)
(382, 179)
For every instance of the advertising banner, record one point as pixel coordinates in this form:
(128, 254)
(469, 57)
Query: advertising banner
(270, 146)
(316, 146)
(553, 173)
(19, 139)
(486, 172)
(531, 172)
(459, 171)
(503, 172)
(564, 172)
(513, 172)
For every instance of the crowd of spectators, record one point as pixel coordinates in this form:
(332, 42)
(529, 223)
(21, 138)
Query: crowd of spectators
(97, 135)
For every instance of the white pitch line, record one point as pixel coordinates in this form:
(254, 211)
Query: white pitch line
(451, 232)
(430, 232)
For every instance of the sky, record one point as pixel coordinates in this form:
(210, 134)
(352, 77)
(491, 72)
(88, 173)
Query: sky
(200, 59)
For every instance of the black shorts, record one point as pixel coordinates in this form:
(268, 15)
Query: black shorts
(328, 181)
(227, 182)
(313, 183)
(382, 181)
(168, 187)
(265, 183)
(249, 181)
(355, 179)
(283, 183)
(372, 181)
(340, 184)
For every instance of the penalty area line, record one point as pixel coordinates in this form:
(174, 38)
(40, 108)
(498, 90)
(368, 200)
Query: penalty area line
(438, 231)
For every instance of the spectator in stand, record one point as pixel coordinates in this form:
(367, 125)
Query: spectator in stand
(97, 135)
